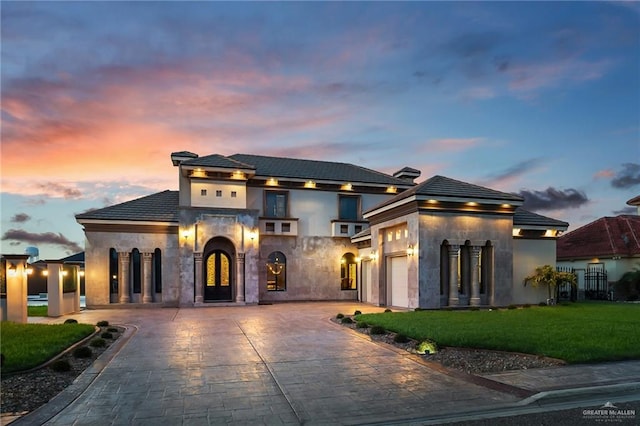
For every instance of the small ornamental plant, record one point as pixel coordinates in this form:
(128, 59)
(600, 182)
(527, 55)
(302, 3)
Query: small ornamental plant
(106, 335)
(357, 312)
(82, 352)
(346, 320)
(339, 316)
(377, 329)
(387, 310)
(400, 338)
(112, 330)
(98, 342)
(71, 321)
(102, 323)
(362, 324)
(61, 366)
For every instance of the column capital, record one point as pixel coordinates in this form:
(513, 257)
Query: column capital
(476, 250)
(124, 254)
(197, 255)
(147, 256)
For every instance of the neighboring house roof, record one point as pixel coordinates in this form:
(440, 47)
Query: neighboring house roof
(158, 207)
(74, 258)
(315, 170)
(635, 201)
(524, 217)
(446, 188)
(607, 236)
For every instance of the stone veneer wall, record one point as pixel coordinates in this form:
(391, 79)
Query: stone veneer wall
(313, 268)
(97, 245)
(456, 228)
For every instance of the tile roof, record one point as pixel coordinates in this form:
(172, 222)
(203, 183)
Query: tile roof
(217, 160)
(159, 207)
(524, 217)
(441, 186)
(279, 167)
(607, 236)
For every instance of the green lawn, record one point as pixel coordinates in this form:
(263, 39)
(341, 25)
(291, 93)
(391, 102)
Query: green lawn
(577, 333)
(26, 346)
(37, 311)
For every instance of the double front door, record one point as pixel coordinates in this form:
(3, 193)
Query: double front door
(218, 283)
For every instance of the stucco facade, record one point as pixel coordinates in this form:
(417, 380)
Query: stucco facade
(250, 229)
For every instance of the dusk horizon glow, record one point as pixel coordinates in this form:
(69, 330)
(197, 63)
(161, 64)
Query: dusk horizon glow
(537, 99)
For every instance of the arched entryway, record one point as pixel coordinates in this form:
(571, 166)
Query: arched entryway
(219, 271)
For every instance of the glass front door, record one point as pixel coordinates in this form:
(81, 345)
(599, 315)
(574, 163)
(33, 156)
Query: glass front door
(217, 286)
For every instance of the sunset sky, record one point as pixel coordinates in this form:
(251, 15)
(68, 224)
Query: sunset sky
(538, 99)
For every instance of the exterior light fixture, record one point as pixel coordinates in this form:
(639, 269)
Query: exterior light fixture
(516, 232)
(347, 187)
(358, 259)
(81, 273)
(410, 250)
(45, 273)
(272, 182)
(472, 204)
(65, 273)
(392, 189)
(185, 234)
(28, 270)
(13, 270)
(253, 235)
(310, 184)
(373, 255)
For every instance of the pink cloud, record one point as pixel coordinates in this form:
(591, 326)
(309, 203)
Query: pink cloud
(604, 174)
(452, 144)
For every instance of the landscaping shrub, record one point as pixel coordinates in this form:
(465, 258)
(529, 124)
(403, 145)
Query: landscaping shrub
(418, 309)
(427, 346)
(98, 342)
(339, 316)
(526, 305)
(362, 324)
(112, 330)
(82, 352)
(387, 310)
(542, 304)
(346, 320)
(357, 312)
(512, 307)
(376, 329)
(71, 321)
(61, 366)
(400, 338)
(102, 323)
(107, 335)
(474, 308)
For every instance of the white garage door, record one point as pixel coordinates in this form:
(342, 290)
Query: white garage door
(399, 287)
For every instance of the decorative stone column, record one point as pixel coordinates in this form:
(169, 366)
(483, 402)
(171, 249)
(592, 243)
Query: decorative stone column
(475, 279)
(123, 278)
(147, 294)
(454, 255)
(16, 281)
(55, 280)
(240, 278)
(197, 259)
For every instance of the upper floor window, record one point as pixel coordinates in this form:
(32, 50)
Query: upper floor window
(348, 207)
(276, 203)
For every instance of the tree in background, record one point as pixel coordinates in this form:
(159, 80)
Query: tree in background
(548, 276)
(628, 286)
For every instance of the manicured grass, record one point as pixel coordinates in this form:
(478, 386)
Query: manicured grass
(26, 346)
(37, 311)
(577, 333)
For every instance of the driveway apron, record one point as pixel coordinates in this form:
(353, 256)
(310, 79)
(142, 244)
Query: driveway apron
(275, 364)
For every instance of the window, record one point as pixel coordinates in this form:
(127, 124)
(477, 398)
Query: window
(348, 269)
(286, 227)
(275, 204)
(358, 228)
(349, 207)
(218, 193)
(276, 272)
(136, 274)
(270, 227)
(203, 192)
(344, 229)
(157, 270)
(234, 194)
(113, 271)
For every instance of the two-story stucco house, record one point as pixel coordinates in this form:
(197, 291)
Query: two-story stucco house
(250, 229)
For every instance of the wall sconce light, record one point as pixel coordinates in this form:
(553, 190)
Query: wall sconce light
(81, 273)
(45, 273)
(410, 250)
(13, 270)
(65, 273)
(373, 255)
(358, 259)
(253, 235)
(185, 234)
(28, 270)
(114, 277)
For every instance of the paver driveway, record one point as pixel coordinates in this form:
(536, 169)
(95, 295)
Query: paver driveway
(274, 364)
